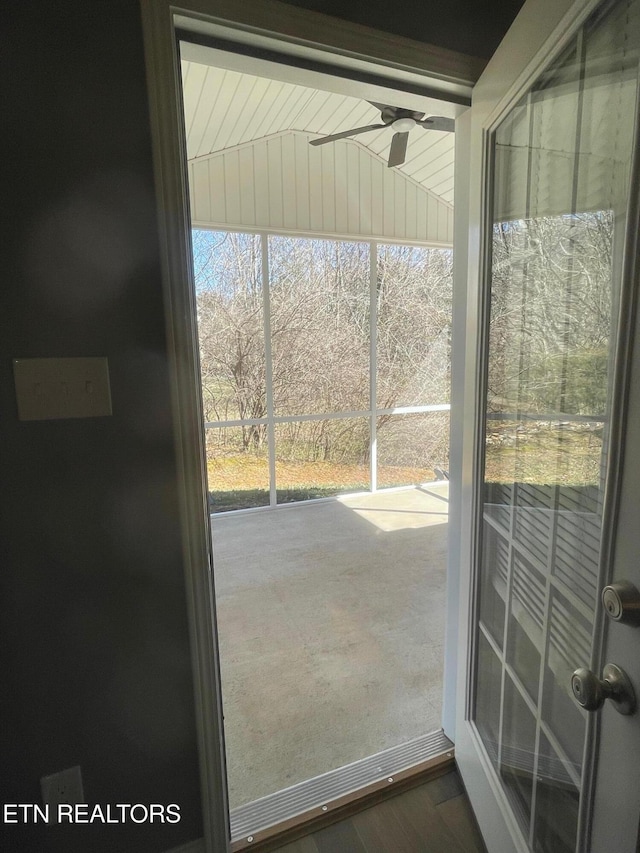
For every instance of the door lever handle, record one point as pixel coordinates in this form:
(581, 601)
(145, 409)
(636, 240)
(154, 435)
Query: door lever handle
(590, 691)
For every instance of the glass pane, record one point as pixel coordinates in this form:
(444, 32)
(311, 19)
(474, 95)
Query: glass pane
(577, 540)
(320, 327)
(229, 305)
(525, 623)
(318, 459)
(237, 467)
(488, 688)
(517, 752)
(414, 326)
(493, 583)
(557, 801)
(498, 500)
(412, 449)
(533, 519)
(569, 648)
(561, 174)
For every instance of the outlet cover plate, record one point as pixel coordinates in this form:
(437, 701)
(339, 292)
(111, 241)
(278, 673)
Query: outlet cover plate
(62, 787)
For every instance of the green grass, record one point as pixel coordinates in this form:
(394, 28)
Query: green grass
(241, 480)
(225, 501)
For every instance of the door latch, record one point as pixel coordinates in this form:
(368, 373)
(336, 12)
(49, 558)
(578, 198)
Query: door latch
(621, 602)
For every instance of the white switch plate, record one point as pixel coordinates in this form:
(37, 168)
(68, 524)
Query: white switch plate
(50, 388)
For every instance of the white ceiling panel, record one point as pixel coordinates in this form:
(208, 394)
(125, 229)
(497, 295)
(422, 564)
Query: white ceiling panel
(281, 182)
(225, 109)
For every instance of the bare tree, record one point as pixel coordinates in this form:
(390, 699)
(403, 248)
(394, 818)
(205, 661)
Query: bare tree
(550, 314)
(320, 324)
(231, 329)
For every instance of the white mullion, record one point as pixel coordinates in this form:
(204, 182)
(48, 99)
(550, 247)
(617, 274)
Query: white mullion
(373, 366)
(544, 652)
(507, 611)
(503, 656)
(415, 410)
(320, 416)
(268, 373)
(238, 423)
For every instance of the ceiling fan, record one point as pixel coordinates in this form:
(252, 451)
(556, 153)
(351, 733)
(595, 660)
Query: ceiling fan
(402, 121)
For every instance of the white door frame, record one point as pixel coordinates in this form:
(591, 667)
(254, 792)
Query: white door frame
(368, 62)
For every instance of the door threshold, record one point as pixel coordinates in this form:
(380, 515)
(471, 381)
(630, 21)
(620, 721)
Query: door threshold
(288, 814)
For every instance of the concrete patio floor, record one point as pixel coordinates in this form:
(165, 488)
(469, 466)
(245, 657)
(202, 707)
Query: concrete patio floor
(331, 628)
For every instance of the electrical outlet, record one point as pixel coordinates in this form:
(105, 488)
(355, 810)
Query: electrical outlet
(62, 787)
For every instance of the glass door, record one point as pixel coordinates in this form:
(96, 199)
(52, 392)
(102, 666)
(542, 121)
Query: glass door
(560, 166)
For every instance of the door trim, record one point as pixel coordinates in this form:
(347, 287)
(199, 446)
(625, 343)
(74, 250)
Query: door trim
(293, 31)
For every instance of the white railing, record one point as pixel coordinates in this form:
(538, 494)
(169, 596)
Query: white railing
(272, 420)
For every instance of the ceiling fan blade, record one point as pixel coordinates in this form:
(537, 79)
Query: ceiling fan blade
(345, 134)
(398, 149)
(438, 123)
(380, 106)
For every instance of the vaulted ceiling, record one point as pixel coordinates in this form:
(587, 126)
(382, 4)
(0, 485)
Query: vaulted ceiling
(225, 109)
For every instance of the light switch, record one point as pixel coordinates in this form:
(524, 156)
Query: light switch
(51, 388)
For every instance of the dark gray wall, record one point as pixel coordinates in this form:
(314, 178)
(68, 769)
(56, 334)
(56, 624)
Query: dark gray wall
(93, 630)
(475, 27)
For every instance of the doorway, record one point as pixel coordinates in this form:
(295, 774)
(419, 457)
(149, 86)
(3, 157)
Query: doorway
(438, 82)
(324, 335)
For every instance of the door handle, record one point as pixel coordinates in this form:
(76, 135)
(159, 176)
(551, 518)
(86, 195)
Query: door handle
(590, 691)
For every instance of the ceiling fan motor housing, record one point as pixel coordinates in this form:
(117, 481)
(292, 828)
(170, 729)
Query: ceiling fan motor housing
(392, 114)
(404, 124)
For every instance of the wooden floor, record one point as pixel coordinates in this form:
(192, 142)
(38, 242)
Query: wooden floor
(433, 818)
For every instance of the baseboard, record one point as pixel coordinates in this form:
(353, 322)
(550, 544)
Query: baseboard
(196, 846)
